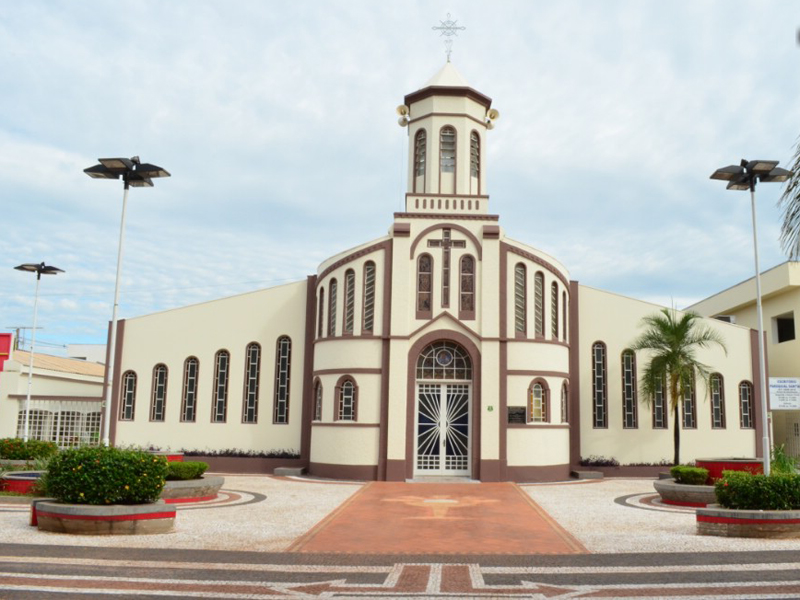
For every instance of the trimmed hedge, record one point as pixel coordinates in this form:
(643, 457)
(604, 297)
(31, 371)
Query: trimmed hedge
(186, 470)
(16, 449)
(744, 491)
(105, 475)
(689, 475)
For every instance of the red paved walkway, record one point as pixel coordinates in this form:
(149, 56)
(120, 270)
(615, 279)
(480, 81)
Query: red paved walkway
(432, 518)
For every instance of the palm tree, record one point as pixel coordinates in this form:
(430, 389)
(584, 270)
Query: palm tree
(790, 205)
(672, 341)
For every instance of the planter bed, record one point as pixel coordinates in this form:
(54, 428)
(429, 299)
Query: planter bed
(192, 490)
(21, 482)
(681, 494)
(725, 522)
(114, 519)
(715, 466)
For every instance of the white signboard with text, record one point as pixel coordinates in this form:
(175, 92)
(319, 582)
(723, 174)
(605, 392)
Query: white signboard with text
(784, 393)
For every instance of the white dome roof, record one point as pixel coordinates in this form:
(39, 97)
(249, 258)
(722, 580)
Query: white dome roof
(447, 76)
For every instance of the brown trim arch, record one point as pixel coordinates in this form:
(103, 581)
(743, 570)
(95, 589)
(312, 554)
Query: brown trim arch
(411, 396)
(461, 228)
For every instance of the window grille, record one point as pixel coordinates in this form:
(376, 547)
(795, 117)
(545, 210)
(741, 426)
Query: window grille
(447, 149)
(520, 298)
(40, 424)
(689, 407)
(424, 284)
(332, 308)
(660, 407)
(474, 155)
(283, 358)
(537, 404)
(746, 405)
(564, 403)
(420, 149)
(189, 403)
(467, 298)
(538, 298)
(347, 401)
(629, 416)
(68, 424)
(444, 360)
(318, 402)
(220, 401)
(554, 311)
(349, 301)
(717, 402)
(252, 376)
(158, 400)
(128, 391)
(599, 404)
(369, 297)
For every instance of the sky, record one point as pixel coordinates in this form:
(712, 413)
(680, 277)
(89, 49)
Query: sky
(277, 122)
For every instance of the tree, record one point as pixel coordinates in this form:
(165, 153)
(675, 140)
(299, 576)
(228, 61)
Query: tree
(790, 206)
(672, 341)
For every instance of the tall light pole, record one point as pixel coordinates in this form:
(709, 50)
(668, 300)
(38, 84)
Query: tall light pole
(744, 176)
(133, 174)
(40, 269)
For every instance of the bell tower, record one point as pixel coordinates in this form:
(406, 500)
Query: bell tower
(447, 123)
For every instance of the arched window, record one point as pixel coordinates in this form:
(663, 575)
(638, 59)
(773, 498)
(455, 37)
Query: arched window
(746, 405)
(127, 396)
(320, 312)
(158, 400)
(520, 299)
(689, 407)
(219, 402)
(629, 414)
(318, 401)
(565, 403)
(444, 360)
(538, 303)
(424, 286)
(554, 311)
(332, 308)
(283, 360)
(346, 400)
(466, 306)
(349, 302)
(369, 298)
(189, 401)
(660, 406)
(538, 403)
(717, 401)
(475, 162)
(447, 150)
(420, 159)
(252, 375)
(599, 387)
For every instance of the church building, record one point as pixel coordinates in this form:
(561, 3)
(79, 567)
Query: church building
(442, 348)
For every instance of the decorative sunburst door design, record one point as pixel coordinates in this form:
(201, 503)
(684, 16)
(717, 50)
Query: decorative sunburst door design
(443, 412)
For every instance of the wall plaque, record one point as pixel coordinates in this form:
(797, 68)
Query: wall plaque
(516, 414)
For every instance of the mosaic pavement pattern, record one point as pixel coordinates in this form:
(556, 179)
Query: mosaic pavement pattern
(28, 572)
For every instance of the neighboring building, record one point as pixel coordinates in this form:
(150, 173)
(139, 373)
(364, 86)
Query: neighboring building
(441, 348)
(66, 398)
(95, 353)
(780, 292)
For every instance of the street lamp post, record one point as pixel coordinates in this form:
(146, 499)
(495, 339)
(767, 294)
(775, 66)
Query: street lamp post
(133, 174)
(40, 269)
(744, 176)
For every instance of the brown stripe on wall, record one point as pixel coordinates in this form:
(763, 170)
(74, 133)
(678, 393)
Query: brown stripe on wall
(383, 434)
(757, 400)
(351, 472)
(308, 368)
(575, 375)
(116, 380)
(535, 474)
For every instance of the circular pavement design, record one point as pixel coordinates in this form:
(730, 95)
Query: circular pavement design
(653, 502)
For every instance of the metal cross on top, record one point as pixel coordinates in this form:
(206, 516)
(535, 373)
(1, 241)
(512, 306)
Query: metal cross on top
(445, 244)
(448, 28)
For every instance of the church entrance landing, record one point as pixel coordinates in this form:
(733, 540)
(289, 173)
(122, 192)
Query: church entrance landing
(430, 518)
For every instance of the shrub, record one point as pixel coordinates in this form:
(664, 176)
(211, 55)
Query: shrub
(599, 461)
(781, 462)
(186, 470)
(16, 449)
(104, 475)
(744, 491)
(689, 475)
(236, 453)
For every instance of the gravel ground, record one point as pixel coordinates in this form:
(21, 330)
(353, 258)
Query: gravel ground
(291, 508)
(588, 511)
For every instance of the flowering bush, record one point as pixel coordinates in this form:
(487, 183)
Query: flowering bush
(744, 491)
(16, 449)
(104, 475)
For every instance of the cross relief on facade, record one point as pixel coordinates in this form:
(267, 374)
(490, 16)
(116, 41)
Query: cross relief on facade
(445, 244)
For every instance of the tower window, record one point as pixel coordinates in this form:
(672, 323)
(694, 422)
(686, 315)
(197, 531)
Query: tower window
(420, 141)
(424, 286)
(447, 150)
(474, 155)
(467, 294)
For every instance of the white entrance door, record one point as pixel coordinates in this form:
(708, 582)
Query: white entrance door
(443, 429)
